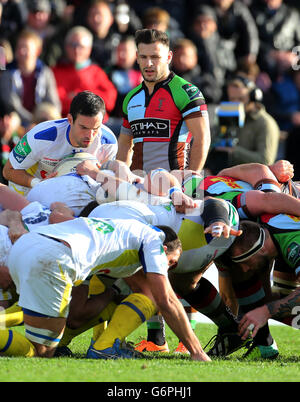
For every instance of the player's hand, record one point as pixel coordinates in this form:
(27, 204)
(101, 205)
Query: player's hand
(87, 168)
(283, 170)
(182, 202)
(253, 321)
(16, 232)
(218, 229)
(51, 175)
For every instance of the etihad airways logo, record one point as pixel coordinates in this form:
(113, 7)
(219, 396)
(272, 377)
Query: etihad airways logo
(150, 127)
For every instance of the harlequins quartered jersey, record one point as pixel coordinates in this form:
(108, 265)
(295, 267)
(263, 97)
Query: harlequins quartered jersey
(224, 187)
(157, 123)
(285, 232)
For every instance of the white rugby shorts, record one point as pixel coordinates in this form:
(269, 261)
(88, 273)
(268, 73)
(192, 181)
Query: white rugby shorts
(43, 272)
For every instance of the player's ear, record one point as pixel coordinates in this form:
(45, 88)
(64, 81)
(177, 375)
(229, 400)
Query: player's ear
(170, 56)
(70, 118)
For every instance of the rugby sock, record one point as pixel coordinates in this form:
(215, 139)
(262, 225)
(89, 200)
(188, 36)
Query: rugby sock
(14, 344)
(206, 299)
(156, 330)
(101, 318)
(11, 316)
(250, 295)
(128, 316)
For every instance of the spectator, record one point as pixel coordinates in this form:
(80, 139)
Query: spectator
(282, 100)
(100, 21)
(78, 73)
(257, 139)
(177, 10)
(215, 55)
(38, 19)
(12, 18)
(279, 32)
(10, 133)
(236, 24)
(28, 81)
(43, 112)
(158, 18)
(185, 64)
(125, 76)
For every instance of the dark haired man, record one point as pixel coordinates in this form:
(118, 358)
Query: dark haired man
(41, 148)
(164, 115)
(165, 120)
(249, 261)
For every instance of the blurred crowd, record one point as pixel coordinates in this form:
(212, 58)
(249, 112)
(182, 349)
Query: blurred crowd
(52, 49)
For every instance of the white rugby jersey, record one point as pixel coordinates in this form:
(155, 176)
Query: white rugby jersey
(39, 150)
(34, 214)
(198, 249)
(114, 247)
(72, 189)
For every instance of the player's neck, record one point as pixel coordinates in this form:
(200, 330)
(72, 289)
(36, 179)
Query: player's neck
(151, 84)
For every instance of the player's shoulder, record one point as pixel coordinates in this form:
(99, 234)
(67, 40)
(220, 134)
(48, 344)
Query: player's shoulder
(131, 94)
(181, 87)
(48, 131)
(107, 135)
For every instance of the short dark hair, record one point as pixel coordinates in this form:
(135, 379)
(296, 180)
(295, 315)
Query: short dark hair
(87, 103)
(172, 241)
(149, 36)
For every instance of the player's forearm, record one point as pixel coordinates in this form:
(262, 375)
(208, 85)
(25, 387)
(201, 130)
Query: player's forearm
(18, 176)
(279, 309)
(125, 149)
(200, 129)
(11, 200)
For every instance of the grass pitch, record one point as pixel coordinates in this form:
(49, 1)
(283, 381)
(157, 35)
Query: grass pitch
(158, 369)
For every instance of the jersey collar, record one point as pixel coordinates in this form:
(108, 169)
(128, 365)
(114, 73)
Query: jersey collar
(160, 83)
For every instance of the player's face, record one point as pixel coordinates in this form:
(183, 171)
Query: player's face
(173, 258)
(84, 129)
(154, 60)
(259, 262)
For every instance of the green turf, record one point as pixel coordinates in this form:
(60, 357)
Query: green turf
(163, 368)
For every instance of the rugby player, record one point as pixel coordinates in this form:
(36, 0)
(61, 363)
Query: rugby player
(35, 156)
(77, 248)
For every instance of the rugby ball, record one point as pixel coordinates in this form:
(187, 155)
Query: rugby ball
(68, 163)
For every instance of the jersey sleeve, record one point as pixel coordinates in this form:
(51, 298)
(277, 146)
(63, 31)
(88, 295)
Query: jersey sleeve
(109, 145)
(188, 98)
(31, 146)
(24, 154)
(152, 255)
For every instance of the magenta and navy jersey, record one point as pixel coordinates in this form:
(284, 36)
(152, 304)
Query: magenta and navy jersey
(157, 125)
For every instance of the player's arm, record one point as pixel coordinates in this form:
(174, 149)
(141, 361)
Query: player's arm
(216, 220)
(18, 176)
(277, 310)
(12, 200)
(60, 212)
(259, 202)
(13, 220)
(199, 128)
(250, 172)
(174, 314)
(125, 148)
